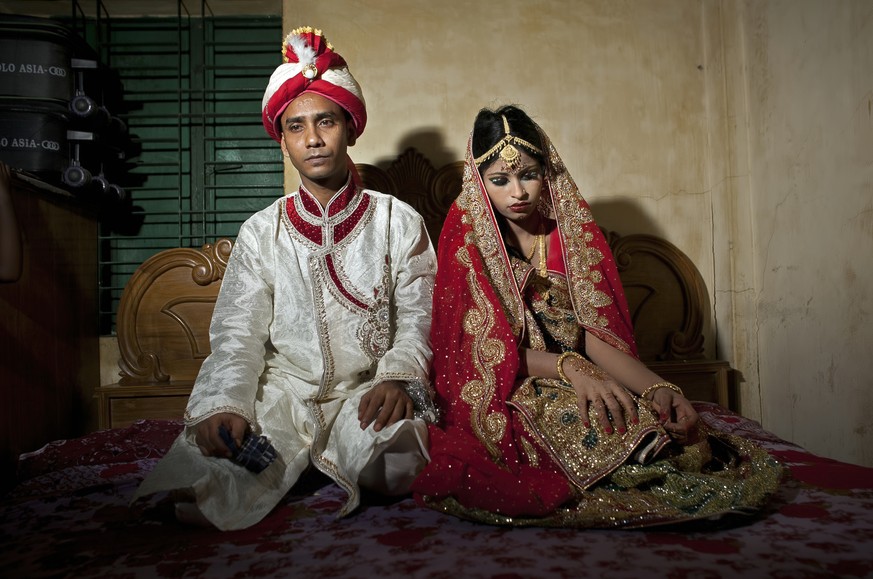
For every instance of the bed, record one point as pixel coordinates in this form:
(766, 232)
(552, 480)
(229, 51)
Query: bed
(69, 514)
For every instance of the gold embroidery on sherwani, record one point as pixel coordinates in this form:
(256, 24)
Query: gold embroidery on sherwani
(319, 277)
(191, 420)
(292, 231)
(486, 353)
(326, 265)
(325, 465)
(300, 210)
(341, 288)
(375, 333)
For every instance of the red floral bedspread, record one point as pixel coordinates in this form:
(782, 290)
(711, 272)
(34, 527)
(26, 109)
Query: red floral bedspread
(69, 517)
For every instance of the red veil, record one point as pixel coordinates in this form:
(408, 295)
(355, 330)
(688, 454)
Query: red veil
(477, 454)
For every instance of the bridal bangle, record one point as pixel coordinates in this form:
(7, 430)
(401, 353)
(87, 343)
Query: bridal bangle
(582, 364)
(657, 385)
(561, 359)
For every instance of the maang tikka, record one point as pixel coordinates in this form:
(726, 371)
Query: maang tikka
(508, 153)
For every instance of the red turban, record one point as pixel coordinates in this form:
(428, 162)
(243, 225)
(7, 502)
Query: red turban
(311, 65)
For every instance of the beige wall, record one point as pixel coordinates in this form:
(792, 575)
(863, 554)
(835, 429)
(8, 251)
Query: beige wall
(740, 131)
(808, 197)
(618, 86)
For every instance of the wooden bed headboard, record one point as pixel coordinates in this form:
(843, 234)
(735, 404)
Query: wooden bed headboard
(165, 309)
(162, 330)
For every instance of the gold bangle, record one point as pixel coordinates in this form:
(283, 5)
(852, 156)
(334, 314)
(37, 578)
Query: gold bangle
(657, 385)
(561, 358)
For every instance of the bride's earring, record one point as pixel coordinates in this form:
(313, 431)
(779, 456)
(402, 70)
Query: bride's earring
(544, 205)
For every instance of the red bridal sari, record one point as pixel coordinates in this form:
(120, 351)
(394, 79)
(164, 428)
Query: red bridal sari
(515, 451)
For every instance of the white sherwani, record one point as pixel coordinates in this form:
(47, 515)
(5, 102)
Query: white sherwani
(314, 309)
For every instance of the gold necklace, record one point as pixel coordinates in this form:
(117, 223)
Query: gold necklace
(543, 269)
(538, 242)
(530, 254)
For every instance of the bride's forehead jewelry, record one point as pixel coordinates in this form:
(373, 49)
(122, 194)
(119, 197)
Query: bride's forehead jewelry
(506, 149)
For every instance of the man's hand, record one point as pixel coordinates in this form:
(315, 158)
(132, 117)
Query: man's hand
(386, 403)
(208, 439)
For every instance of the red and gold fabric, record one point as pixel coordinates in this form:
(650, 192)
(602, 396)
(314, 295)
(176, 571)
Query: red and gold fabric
(512, 451)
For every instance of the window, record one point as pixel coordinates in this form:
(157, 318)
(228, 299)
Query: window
(192, 97)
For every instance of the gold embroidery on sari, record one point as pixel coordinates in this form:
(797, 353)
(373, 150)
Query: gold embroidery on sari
(581, 257)
(585, 454)
(667, 493)
(535, 339)
(530, 451)
(485, 237)
(486, 353)
(632, 491)
(553, 316)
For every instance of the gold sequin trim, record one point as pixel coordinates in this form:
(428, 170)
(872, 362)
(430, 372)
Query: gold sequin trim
(693, 485)
(319, 275)
(374, 334)
(486, 354)
(192, 420)
(484, 238)
(585, 454)
(530, 450)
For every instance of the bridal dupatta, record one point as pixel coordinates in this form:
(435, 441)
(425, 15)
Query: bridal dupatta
(510, 452)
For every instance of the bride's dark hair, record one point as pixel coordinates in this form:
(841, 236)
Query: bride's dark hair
(488, 131)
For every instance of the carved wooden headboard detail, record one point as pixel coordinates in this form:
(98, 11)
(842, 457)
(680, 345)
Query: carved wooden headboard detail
(165, 310)
(666, 296)
(163, 333)
(412, 178)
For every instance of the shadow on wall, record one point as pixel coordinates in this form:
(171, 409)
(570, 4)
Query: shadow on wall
(430, 142)
(622, 216)
(625, 217)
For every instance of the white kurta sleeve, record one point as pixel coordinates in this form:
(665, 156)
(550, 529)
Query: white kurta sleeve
(238, 333)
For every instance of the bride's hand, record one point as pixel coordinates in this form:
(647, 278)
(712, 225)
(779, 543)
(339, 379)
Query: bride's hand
(676, 414)
(604, 397)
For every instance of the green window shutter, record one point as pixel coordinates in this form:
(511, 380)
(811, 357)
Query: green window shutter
(192, 94)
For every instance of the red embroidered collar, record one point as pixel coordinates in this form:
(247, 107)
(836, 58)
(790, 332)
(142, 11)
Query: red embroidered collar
(329, 225)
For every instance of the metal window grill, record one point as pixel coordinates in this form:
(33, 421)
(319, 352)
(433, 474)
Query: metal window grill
(192, 94)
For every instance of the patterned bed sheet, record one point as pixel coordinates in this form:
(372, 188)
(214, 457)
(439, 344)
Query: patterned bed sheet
(69, 516)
